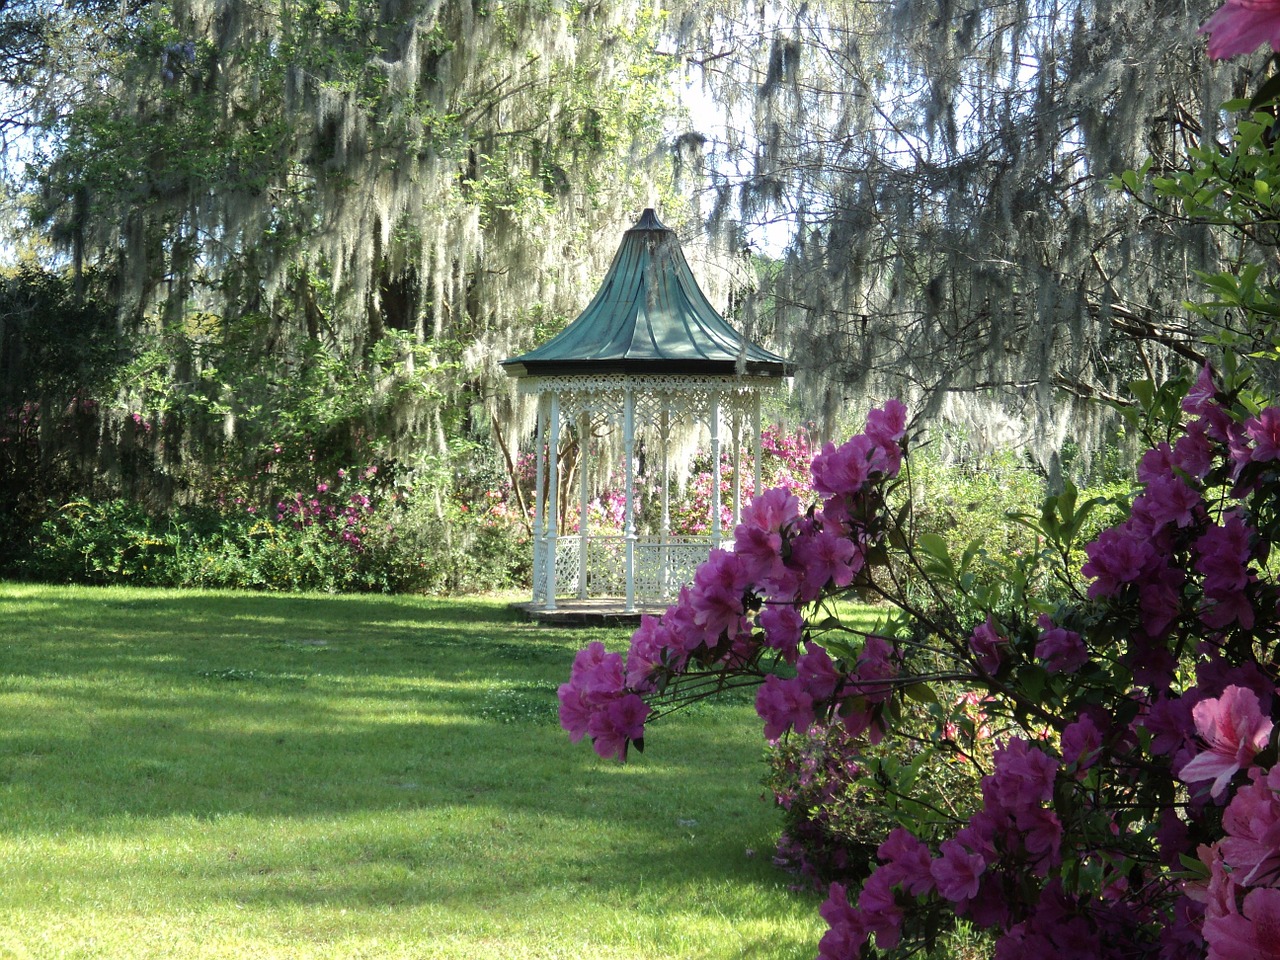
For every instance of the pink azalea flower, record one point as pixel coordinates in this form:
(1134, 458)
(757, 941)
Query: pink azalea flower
(782, 624)
(1081, 742)
(596, 672)
(906, 862)
(575, 711)
(847, 932)
(648, 644)
(986, 644)
(1241, 26)
(880, 912)
(1023, 777)
(1253, 934)
(1063, 650)
(783, 705)
(824, 558)
(1252, 823)
(1264, 430)
(771, 510)
(1204, 391)
(818, 672)
(957, 872)
(1234, 729)
(876, 665)
(842, 470)
(1116, 557)
(618, 723)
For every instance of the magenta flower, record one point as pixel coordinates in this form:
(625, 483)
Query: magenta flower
(842, 470)
(1203, 393)
(617, 724)
(987, 644)
(846, 930)
(818, 673)
(575, 711)
(783, 705)
(1264, 430)
(648, 645)
(880, 912)
(596, 672)
(957, 872)
(824, 558)
(1042, 835)
(1081, 742)
(771, 511)
(1062, 650)
(1023, 777)
(1116, 557)
(906, 862)
(1234, 729)
(1241, 26)
(876, 665)
(782, 624)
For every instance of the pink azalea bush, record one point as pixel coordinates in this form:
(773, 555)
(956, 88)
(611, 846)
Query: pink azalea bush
(1131, 804)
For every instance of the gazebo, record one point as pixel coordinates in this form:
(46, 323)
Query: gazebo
(651, 354)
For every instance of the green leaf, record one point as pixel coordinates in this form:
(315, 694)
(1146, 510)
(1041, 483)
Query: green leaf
(920, 693)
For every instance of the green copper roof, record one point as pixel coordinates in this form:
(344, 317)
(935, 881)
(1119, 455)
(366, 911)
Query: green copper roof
(648, 317)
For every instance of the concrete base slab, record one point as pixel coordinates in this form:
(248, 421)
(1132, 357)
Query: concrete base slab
(598, 612)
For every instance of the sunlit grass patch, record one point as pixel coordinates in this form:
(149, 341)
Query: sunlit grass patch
(221, 775)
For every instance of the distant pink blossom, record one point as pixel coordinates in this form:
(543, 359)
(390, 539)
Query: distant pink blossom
(1234, 730)
(1241, 26)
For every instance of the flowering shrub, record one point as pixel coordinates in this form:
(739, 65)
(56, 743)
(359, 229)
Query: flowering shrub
(1129, 808)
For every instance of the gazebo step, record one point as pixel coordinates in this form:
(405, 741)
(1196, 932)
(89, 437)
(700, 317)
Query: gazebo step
(595, 612)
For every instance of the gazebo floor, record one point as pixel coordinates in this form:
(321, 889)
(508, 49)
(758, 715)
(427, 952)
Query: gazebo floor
(596, 612)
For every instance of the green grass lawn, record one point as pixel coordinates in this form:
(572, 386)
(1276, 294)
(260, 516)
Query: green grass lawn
(189, 775)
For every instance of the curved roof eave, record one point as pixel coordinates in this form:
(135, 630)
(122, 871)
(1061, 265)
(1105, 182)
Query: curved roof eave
(649, 316)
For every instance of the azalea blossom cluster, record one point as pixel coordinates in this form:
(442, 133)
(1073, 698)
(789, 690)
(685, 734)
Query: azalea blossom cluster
(1083, 840)
(1132, 808)
(343, 515)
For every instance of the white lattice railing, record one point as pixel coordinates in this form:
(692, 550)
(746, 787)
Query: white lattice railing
(662, 566)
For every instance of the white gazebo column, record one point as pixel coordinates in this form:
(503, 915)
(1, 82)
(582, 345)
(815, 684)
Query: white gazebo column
(664, 535)
(584, 489)
(758, 444)
(539, 513)
(713, 421)
(737, 466)
(629, 525)
(553, 505)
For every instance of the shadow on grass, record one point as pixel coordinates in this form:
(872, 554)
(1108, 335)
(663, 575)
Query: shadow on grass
(144, 704)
